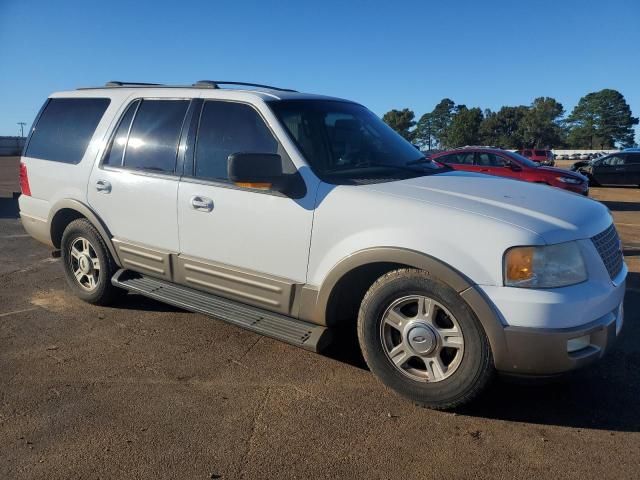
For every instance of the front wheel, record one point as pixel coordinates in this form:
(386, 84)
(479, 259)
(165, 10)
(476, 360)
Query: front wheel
(420, 339)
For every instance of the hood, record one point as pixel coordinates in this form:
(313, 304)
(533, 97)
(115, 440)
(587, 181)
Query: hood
(559, 172)
(552, 213)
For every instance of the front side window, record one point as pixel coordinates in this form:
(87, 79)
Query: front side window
(227, 128)
(65, 128)
(344, 141)
(155, 133)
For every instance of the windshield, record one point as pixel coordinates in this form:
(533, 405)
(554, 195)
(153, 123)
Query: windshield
(522, 159)
(345, 143)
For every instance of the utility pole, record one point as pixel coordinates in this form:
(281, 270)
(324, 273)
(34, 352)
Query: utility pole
(22, 124)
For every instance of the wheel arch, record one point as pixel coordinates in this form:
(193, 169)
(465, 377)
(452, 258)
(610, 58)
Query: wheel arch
(357, 272)
(67, 210)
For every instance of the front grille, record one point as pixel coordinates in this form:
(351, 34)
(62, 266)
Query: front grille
(608, 245)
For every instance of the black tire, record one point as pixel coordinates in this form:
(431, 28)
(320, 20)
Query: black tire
(104, 293)
(473, 372)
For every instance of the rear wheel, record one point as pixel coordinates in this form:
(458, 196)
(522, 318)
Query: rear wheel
(420, 339)
(88, 265)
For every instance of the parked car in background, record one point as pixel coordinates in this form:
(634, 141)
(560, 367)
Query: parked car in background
(561, 156)
(543, 157)
(622, 168)
(574, 156)
(494, 161)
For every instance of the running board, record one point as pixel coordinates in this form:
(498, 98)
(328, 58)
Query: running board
(275, 325)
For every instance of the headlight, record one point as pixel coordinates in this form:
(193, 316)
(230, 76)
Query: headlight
(549, 266)
(573, 181)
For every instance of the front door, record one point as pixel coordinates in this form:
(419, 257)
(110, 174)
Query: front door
(240, 243)
(135, 186)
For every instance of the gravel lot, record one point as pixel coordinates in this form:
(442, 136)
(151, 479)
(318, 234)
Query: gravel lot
(143, 390)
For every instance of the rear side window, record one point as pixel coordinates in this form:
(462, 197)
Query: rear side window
(155, 133)
(226, 128)
(116, 149)
(65, 128)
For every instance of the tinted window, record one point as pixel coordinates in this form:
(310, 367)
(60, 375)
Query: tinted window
(526, 153)
(116, 149)
(153, 141)
(633, 158)
(226, 128)
(464, 158)
(447, 159)
(490, 160)
(65, 128)
(613, 160)
(540, 153)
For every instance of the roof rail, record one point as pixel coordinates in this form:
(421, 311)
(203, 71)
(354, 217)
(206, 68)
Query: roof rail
(115, 83)
(217, 83)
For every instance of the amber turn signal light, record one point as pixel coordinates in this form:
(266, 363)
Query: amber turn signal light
(519, 264)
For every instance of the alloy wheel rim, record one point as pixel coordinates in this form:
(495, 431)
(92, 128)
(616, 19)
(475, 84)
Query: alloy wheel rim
(421, 338)
(84, 263)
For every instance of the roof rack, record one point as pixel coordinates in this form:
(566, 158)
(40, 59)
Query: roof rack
(198, 84)
(217, 83)
(115, 83)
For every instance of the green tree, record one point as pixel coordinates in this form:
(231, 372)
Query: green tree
(464, 128)
(541, 126)
(503, 128)
(441, 118)
(402, 121)
(601, 119)
(425, 134)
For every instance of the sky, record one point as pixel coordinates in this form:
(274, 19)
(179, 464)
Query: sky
(383, 54)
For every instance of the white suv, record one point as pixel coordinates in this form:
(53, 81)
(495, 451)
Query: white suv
(293, 215)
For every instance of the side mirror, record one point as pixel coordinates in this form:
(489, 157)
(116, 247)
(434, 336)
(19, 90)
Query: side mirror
(262, 171)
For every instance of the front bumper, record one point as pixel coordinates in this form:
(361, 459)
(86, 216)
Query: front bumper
(546, 351)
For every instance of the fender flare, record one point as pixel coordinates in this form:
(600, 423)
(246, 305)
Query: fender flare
(86, 211)
(315, 302)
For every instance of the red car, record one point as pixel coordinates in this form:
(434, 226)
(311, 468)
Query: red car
(503, 163)
(543, 157)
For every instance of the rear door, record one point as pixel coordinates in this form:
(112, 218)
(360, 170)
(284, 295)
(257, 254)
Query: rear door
(135, 186)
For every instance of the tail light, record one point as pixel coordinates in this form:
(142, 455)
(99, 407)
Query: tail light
(24, 180)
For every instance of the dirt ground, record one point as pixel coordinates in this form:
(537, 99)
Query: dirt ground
(143, 390)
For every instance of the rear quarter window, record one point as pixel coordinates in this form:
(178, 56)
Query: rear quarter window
(64, 129)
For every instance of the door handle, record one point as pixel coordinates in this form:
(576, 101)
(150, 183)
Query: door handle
(203, 204)
(103, 186)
